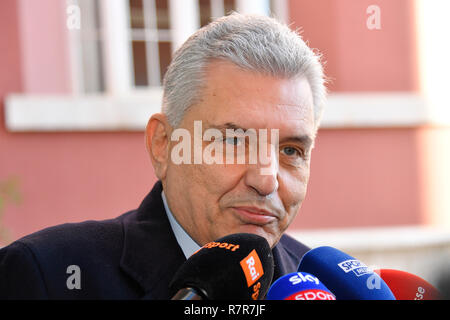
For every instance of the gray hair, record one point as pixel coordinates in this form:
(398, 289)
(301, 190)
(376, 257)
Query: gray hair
(255, 43)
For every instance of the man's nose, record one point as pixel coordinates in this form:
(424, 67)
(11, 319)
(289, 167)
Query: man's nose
(263, 176)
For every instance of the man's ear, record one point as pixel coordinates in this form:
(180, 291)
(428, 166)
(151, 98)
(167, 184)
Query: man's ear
(157, 137)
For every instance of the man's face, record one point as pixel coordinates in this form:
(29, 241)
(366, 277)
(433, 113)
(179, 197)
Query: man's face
(214, 200)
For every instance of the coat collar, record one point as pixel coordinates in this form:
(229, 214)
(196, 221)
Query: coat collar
(151, 254)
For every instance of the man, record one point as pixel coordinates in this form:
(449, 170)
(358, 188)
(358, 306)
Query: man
(230, 81)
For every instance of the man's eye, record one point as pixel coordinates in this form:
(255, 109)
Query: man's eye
(233, 140)
(290, 151)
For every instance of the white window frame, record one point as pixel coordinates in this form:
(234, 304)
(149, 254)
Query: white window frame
(115, 30)
(77, 69)
(184, 22)
(184, 17)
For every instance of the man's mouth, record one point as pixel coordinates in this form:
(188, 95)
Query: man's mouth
(253, 215)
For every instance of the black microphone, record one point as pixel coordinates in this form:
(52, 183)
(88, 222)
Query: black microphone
(235, 267)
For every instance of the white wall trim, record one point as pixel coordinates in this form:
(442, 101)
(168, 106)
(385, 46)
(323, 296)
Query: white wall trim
(131, 112)
(375, 238)
(353, 110)
(81, 113)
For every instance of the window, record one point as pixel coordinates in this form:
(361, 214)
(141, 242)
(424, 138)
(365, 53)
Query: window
(122, 49)
(211, 9)
(128, 44)
(151, 35)
(150, 41)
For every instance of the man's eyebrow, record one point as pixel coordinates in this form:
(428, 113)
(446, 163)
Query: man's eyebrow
(228, 125)
(305, 139)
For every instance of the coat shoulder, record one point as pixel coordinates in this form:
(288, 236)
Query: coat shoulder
(46, 256)
(73, 237)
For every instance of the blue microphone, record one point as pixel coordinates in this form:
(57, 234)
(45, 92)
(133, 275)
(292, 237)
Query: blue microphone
(347, 277)
(299, 286)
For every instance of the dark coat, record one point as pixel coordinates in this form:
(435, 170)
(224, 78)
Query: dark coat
(133, 256)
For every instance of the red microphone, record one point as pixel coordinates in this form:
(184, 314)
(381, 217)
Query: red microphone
(407, 286)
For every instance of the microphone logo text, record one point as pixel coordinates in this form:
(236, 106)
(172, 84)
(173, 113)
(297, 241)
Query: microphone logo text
(252, 267)
(299, 278)
(356, 266)
(315, 294)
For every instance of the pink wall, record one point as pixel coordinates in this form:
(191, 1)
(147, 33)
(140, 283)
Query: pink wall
(10, 75)
(359, 59)
(44, 46)
(67, 177)
(364, 177)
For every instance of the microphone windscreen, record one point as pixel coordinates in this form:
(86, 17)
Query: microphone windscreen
(407, 286)
(299, 286)
(235, 267)
(347, 277)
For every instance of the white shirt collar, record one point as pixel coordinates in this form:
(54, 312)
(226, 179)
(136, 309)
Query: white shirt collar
(187, 244)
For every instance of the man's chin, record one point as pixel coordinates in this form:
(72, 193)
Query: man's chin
(255, 229)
